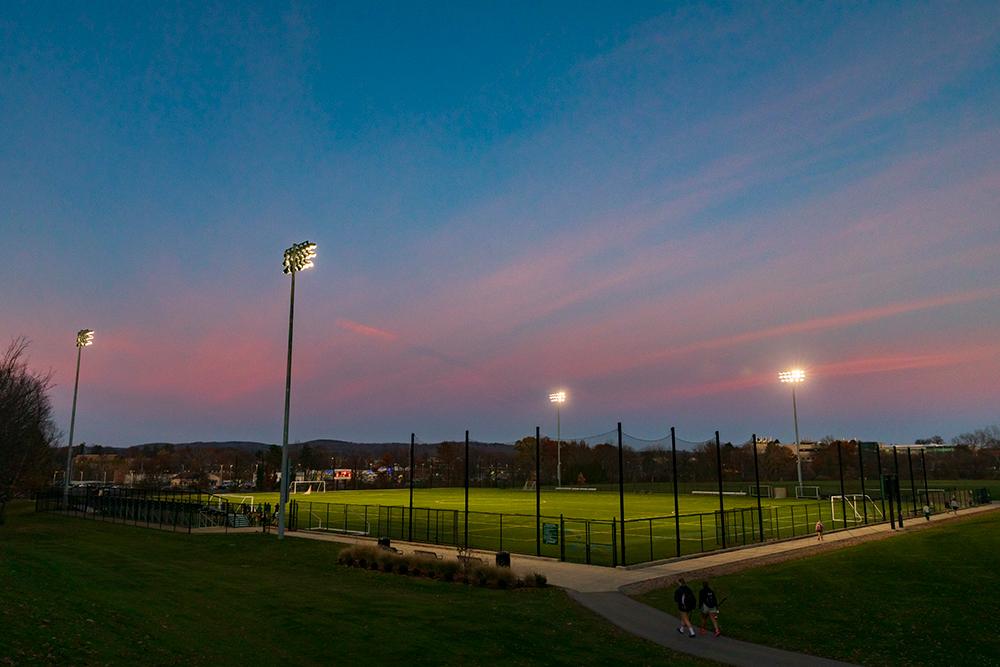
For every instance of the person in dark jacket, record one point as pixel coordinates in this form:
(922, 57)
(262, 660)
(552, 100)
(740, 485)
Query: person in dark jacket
(709, 605)
(684, 597)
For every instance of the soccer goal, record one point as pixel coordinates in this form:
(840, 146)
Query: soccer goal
(851, 503)
(305, 488)
(231, 501)
(811, 492)
(766, 491)
(529, 485)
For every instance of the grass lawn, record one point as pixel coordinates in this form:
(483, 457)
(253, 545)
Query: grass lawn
(925, 598)
(87, 593)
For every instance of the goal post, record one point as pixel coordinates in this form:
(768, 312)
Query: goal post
(807, 492)
(766, 491)
(529, 485)
(305, 488)
(851, 502)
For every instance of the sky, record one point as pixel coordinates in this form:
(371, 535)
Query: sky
(654, 206)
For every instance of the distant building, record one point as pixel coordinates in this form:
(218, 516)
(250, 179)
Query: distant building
(195, 480)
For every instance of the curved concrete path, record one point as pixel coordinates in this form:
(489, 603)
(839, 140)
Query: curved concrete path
(656, 626)
(601, 589)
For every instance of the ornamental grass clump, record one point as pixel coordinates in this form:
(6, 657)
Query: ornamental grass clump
(450, 570)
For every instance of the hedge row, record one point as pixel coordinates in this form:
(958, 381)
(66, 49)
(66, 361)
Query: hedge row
(383, 560)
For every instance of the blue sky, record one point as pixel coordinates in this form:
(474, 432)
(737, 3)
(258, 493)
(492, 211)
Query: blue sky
(656, 207)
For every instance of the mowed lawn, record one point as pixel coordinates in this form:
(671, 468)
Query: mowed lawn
(86, 593)
(925, 598)
(578, 504)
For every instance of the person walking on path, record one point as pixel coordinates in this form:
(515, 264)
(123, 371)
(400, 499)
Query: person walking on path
(927, 511)
(954, 505)
(684, 597)
(709, 607)
(819, 530)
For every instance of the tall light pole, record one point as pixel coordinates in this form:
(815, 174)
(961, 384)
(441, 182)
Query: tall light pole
(558, 398)
(84, 338)
(793, 377)
(297, 258)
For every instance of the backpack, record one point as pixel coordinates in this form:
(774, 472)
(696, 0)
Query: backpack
(687, 600)
(710, 600)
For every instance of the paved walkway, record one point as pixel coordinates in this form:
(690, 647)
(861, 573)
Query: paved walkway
(603, 589)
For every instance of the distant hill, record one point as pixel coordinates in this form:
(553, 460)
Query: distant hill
(327, 446)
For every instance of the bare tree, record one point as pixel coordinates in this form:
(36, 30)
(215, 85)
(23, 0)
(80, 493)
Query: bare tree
(27, 431)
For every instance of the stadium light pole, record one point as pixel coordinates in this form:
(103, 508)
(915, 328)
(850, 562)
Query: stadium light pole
(558, 398)
(84, 338)
(793, 377)
(297, 258)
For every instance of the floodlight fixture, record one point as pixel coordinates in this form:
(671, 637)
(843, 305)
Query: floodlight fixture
(793, 375)
(557, 397)
(299, 257)
(84, 337)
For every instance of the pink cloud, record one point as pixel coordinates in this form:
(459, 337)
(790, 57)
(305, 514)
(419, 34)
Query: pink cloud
(366, 330)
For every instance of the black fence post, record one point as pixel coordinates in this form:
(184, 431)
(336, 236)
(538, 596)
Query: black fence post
(621, 487)
(895, 486)
(913, 483)
(861, 474)
(923, 467)
(881, 480)
(538, 490)
(409, 532)
(887, 488)
(466, 543)
(756, 479)
(677, 511)
(722, 506)
(843, 499)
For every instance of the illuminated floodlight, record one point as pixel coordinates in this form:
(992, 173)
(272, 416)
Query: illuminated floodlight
(558, 397)
(794, 375)
(84, 338)
(299, 257)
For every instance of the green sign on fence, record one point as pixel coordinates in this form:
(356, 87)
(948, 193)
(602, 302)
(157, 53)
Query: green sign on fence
(550, 533)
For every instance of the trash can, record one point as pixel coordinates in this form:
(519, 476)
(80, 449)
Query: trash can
(503, 559)
(383, 542)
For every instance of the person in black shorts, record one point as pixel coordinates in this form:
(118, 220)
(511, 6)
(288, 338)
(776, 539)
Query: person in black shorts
(709, 605)
(684, 597)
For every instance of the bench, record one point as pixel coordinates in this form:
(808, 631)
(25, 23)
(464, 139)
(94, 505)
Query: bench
(426, 554)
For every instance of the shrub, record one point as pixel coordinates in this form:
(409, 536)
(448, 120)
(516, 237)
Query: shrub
(363, 556)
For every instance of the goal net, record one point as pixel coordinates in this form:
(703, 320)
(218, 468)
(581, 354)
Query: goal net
(807, 492)
(233, 502)
(766, 491)
(529, 485)
(305, 488)
(856, 504)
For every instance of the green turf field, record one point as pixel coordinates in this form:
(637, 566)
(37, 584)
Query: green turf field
(923, 598)
(93, 593)
(505, 519)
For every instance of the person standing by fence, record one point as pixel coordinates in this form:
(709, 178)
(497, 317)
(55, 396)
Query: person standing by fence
(684, 597)
(819, 530)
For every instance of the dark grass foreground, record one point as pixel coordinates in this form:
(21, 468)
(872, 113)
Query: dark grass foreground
(927, 598)
(79, 592)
